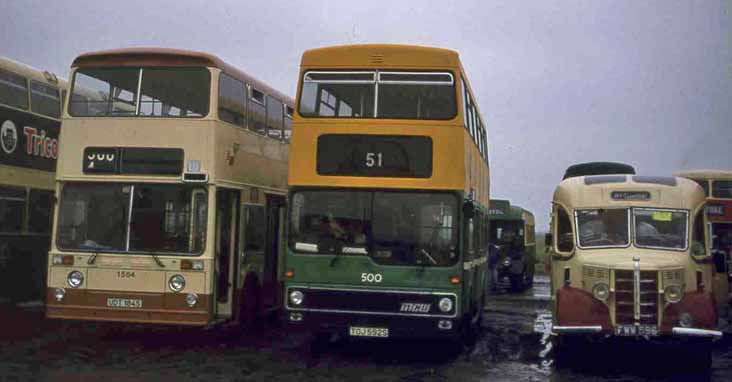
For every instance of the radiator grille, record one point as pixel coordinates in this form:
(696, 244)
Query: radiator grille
(624, 297)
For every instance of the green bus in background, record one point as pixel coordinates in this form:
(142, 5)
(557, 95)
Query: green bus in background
(513, 254)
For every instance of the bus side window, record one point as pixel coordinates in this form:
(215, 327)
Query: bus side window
(12, 209)
(40, 208)
(471, 238)
(274, 118)
(232, 101)
(254, 229)
(13, 90)
(565, 237)
(256, 111)
(288, 123)
(45, 100)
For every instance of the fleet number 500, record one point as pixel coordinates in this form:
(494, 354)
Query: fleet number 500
(370, 278)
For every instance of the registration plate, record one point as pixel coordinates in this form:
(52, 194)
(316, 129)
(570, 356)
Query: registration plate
(124, 303)
(636, 330)
(359, 331)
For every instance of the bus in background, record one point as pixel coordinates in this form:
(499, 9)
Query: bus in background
(389, 195)
(631, 258)
(513, 235)
(171, 191)
(717, 185)
(30, 109)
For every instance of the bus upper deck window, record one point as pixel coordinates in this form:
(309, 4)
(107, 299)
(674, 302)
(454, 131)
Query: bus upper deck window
(45, 99)
(13, 90)
(722, 189)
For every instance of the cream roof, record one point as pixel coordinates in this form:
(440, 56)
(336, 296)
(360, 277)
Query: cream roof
(31, 72)
(705, 174)
(575, 193)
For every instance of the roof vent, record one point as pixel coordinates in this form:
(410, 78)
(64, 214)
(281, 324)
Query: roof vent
(377, 58)
(598, 168)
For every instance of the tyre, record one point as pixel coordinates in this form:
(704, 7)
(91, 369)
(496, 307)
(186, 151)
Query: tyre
(699, 357)
(530, 278)
(565, 351)
(517, 283)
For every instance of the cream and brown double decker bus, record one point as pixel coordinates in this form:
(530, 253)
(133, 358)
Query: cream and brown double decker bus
(631, 258)
(717, 185)
(170, 191)
(30, 110)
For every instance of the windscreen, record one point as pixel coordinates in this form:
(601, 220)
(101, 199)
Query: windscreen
(393, 228)
(394, 95)
(163, 92)
(132, 217)
(665, 229)
(602, 228)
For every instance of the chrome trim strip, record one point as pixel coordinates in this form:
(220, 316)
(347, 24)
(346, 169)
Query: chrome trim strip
(129, 217)
(576, 329)
(138, 95)
(636, 289)
(308, 80)
(381, 313)
(692, 332)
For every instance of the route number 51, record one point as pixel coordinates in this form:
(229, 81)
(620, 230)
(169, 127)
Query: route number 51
(373, 159)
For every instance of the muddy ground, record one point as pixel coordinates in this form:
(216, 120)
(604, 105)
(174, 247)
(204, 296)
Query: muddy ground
(514, 346)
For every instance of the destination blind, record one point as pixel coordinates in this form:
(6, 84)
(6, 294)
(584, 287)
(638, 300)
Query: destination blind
(374, 155)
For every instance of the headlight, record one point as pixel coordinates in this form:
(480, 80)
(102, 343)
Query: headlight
(601, 291)
(75, 279)
(59, 294)
(177, 283)
(191, 299)
(445, 305)
(673, 293)
(686, 320)
(296, 297)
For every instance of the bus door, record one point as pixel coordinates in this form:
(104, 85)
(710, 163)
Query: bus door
(275, 209)
(722, 253)
(469, 272)
(227, 205)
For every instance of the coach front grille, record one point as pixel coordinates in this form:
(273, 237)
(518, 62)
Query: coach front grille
(625, 300)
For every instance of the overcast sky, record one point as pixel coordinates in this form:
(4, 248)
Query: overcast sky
(644, 82)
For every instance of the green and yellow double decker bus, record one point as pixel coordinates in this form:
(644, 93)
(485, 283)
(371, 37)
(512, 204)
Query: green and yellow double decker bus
(389, 191)
(171, 189)
(30, 112)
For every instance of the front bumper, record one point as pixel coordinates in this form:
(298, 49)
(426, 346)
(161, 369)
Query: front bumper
(675, 332)
(398, 326)
(157, 308)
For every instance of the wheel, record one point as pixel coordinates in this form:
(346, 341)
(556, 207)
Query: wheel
(564, 350)
(250, 302)
(517, 283)
(699, 356)
(529, 278)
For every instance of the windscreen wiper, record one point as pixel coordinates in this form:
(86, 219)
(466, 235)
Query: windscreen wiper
(335, 258)
(92, 258)
(426, 254)
(157, 260)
